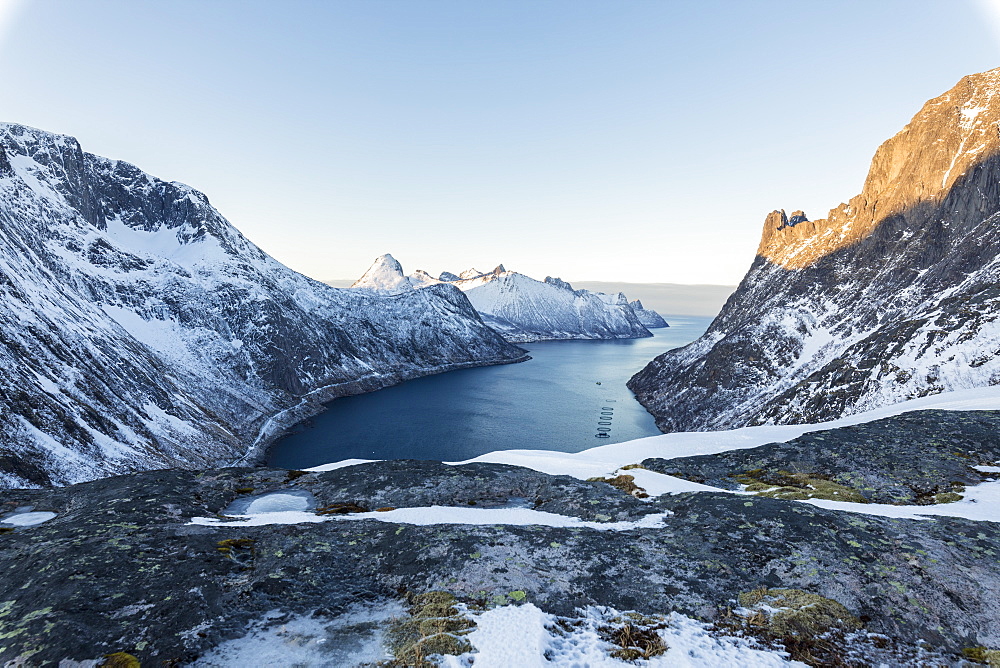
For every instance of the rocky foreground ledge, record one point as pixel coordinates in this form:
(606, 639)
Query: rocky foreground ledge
(147, 564)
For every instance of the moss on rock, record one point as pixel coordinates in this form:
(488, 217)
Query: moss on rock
(625, 483)
(990, 657)
(435, 626)
(797, 486)
(341, 509)
(120, 660)
(794, 612)
(635, 636)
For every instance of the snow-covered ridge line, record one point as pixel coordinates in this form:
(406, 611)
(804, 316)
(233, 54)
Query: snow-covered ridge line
(522, 308)
(141, 330)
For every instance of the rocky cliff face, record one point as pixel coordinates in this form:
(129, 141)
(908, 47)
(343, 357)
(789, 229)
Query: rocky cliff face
(893, 295)
(649, 318)
(139, 329)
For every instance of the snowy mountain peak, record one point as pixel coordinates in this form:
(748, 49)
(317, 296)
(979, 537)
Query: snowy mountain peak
(893, 296)
(524, 309)
(938, 151)
(385, 275)
(421, 278)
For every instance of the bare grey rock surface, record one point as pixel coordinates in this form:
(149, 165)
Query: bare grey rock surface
(120, 568)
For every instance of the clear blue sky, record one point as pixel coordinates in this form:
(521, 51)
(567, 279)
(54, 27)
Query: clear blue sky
(620, 140)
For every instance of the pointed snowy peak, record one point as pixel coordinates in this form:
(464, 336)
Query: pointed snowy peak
(385, 275)
(636, 305)
(421, 278)
(470, 273)
(448, 277)
(499, 269)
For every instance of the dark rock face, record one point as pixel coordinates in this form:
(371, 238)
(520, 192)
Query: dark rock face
(139, 329)
(905, 459)
(892, 296)
(120, 568)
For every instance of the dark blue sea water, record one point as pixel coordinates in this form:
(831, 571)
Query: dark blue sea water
(569, 392)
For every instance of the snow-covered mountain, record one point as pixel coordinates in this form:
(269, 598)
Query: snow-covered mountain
(139, 329)
(385, 276)
(649, 318)
(522, 308)
(893, 295)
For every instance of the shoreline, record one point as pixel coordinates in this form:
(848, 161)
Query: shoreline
(315, 402)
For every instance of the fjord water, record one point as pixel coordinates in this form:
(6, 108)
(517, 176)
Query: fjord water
(554, 401)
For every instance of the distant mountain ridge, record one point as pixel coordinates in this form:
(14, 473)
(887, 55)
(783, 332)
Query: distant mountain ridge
(522, 308)
(665, 298)
(139, 329)
(893, 295)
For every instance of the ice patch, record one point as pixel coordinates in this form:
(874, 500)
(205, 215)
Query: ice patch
(501, 516)
(350, 639)
(28, 519)
(274, 502)
(606, 459)
(511, 636)
(264, 519)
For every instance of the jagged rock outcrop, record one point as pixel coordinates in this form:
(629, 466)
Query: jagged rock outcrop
(649, 318)
(139, 329)
(893, 295)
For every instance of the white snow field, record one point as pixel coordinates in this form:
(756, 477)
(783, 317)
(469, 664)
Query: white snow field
(512, 636)
(428, 515)
(523, 636)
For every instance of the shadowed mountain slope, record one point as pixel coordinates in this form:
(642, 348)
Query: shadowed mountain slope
(894, 295)
(139, 329)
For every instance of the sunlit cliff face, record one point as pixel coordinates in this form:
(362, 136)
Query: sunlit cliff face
(948, 137)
